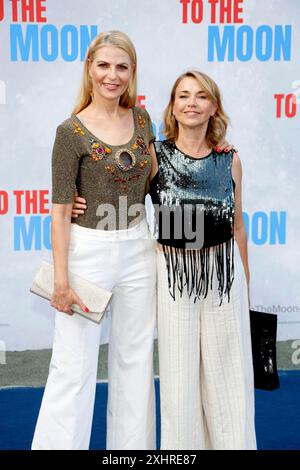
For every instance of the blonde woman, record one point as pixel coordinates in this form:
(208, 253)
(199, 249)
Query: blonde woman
(206, 374)
(103, 151)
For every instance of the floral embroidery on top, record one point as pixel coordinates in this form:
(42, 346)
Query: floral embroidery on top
(124, 158)
(110, 169)
(143, 164)
(99, 151)
(142, 121)
(78, 130)
(140, 144)
(125, 181)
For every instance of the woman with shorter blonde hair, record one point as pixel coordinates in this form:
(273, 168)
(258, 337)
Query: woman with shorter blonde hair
(102, 150)
(205, 360)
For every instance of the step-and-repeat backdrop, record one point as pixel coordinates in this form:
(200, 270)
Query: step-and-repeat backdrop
(250, 47)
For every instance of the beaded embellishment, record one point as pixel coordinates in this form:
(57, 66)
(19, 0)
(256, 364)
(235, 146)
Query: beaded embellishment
(143, 164)
(140, 144)
(78, 130)
(142, 121)
(124, 182)
(125, 159)
(99, 151)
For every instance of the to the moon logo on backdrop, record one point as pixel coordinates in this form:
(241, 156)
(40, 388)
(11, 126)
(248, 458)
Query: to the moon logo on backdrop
(40, 41)
(233, 42)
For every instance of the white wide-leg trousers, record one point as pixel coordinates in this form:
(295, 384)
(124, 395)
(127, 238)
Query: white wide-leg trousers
(123, 262)
(205, 363)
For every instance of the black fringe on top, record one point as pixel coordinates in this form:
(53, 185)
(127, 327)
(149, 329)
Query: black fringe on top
(192, 269)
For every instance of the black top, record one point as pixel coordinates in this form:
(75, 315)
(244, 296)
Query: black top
(193, 198)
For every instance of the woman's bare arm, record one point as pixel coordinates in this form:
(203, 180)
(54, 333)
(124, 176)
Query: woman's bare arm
(63, 296)
(154, 166)
(60, 237)
(239, 225)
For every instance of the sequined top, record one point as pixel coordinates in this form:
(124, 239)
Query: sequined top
(202, 186)
(194, 210)
(112, 178)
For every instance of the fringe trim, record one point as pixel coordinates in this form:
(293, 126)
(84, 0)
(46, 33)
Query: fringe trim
(193, 270)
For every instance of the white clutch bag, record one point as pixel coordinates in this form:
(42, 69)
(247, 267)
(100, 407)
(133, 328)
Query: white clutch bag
(94, 297)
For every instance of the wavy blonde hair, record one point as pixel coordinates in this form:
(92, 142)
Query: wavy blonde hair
(218, 123)
(109, 38)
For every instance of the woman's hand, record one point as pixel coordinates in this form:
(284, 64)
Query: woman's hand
(224, 147)
(64, 297)
(79, 206)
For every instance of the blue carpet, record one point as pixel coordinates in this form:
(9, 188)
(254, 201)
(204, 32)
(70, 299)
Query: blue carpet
(277, 416)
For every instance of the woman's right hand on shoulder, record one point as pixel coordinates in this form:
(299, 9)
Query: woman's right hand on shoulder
(63, 298)
(79, 206)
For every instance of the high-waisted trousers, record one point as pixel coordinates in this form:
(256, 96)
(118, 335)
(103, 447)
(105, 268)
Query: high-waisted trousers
(205, 363)
(124, 262)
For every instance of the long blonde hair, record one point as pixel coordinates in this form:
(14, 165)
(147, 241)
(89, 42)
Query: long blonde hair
(109, 38)
(218, 123)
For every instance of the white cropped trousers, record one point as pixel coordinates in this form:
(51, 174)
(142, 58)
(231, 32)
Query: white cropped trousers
(123, 262)
(205, 363)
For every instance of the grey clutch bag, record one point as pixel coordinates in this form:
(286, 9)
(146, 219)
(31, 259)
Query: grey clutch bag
(94, 297)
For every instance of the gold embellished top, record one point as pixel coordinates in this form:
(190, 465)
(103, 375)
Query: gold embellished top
(112, 178)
